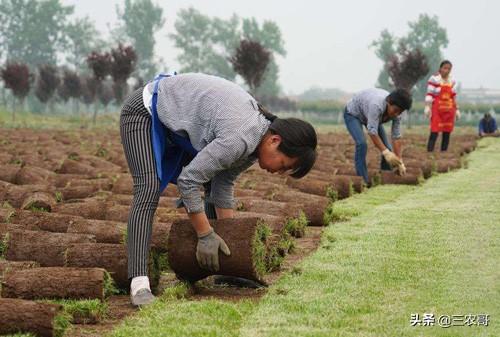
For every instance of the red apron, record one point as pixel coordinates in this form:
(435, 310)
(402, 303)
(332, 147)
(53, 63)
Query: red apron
(444, 110)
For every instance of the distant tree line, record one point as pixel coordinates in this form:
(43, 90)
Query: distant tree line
(106, 81)
(52, 60)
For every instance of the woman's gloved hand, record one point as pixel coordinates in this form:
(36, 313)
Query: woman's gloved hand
(207, 250)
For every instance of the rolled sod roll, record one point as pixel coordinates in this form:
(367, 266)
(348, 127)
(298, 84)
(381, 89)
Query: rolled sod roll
(337, 187)
(57, 283)
(9, 172)
(240, 192)
(51, 222)
(17, 315)
(113, 258)
(43, 247)
(9, 266)
(445, 165)
(104, 184)
(347, 170)
(18, 195)
(75, 167)
(425, 165)
(105, 231)
(313, 210)
(247, 240)
(64, 180)
(39, 201)
(358, 183)
(294, 196)
(416, 171)
(89, 209)
(126, 200)
(295, 226)
(389, 177)
(29, 175)
(159, 236)
(78, 192)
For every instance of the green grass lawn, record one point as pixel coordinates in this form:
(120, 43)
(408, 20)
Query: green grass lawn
(404, 250)
(58, 121)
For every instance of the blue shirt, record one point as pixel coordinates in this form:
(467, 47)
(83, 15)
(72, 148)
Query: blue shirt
(487, 126)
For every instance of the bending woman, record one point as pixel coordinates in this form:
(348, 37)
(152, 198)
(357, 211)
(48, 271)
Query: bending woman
(441, 106)
(196, 131)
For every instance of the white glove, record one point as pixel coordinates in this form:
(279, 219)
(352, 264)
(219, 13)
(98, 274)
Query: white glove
(400, 170)
(427, 111)
(391, 158)
(458, 115)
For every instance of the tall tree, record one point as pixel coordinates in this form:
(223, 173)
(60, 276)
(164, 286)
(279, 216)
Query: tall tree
(426, 35)
(17, 78)
(269, 35)
(204, 43)
(71, 87)
(89, 90)
(250, 61)
(207, 44)
(33, 31)
(82, 38)
(139, 21)
(407, 67)
(123, 64)
(384, 49)
(106, 95)
(47, 83)
(100, 64)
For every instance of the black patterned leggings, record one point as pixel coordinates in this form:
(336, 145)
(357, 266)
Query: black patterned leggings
(135, 131)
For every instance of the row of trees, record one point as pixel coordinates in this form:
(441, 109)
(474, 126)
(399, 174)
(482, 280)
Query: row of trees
(106, 82)
(51, 56)
(37, 32)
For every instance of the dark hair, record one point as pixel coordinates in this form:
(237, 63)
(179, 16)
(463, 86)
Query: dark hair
(400, 98)
(298, 140)
(445, 62)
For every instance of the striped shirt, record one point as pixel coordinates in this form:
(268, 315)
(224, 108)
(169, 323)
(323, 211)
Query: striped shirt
(434, 86)
(368, 106)
(222, 122)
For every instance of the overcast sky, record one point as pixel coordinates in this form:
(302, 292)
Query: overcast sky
(328, 41)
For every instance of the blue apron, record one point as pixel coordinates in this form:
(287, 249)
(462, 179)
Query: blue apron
(171, 151)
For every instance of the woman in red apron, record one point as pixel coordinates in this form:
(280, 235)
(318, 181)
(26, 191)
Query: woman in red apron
(441, 106)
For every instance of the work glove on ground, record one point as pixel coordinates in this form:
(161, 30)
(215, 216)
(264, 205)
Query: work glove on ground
(391, 158)
(207, 250)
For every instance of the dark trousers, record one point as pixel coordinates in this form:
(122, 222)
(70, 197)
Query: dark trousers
(445, 141)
